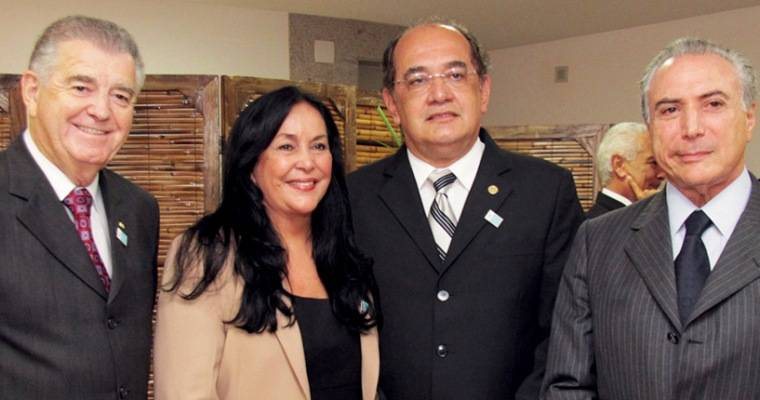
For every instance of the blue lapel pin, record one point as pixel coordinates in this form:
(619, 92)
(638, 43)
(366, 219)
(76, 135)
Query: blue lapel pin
(121, 233)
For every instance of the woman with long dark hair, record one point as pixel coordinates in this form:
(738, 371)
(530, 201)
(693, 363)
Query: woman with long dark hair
(268, 297)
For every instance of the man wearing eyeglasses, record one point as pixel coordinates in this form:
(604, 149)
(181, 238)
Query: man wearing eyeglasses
(468, 240)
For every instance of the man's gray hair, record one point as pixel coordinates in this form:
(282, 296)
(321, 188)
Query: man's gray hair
(744, 70)
(104, 34)
(622, 139)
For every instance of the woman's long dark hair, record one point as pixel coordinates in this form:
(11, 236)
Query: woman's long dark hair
(240, 228)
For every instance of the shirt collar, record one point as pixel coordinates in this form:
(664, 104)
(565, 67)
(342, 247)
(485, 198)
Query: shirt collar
(617, 196)
(61, 183)
(464, 168)
(724, 210)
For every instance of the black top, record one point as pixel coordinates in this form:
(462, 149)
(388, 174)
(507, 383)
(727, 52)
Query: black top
(333, 353)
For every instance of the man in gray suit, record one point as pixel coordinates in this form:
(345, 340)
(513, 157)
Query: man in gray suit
(78, 242)
(661, 299)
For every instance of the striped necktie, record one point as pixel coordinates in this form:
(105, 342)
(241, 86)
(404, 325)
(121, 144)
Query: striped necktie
(442, 220)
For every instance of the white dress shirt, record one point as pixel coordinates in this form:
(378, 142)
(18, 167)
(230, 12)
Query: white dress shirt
(617, 196)
(723, 210)
(62, 186)
(464, 169)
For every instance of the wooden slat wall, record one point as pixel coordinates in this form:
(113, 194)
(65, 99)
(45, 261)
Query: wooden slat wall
(373, 141)
(571, 147)
(239, 91)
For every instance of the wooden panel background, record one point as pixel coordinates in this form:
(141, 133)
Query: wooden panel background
(570, 146)
(172, 150)
(373, 140)
(239, 91)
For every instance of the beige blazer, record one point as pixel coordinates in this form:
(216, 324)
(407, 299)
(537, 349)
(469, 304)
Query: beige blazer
(198, 356)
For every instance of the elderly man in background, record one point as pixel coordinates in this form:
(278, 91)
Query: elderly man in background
(78, 242)
(468, 240)
(661, 300)
(626, 166)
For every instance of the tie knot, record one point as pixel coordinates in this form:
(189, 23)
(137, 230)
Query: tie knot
(441, 179)
(697, 223)
(79, 201)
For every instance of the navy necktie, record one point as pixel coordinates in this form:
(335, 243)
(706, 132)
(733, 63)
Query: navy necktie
(692, 264)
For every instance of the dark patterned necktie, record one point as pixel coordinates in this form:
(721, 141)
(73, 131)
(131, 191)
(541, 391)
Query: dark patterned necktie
(79, 201)
(692, 264)
(442, 220)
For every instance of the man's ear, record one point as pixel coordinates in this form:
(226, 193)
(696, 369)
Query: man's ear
(618, 166)
(390, 104)
(30, 88)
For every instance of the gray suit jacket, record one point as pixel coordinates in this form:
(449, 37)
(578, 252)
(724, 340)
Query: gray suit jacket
(61, 336)
(474, 326)
(616, 332)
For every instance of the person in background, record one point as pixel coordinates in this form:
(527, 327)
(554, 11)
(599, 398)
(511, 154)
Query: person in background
(626, 166)
(268, 297)
(78, 242)
(468, 240)
(660, 300)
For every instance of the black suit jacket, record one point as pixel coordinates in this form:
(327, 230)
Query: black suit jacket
(603, 205)
(617, 333)
(471, 327)
(61, 335)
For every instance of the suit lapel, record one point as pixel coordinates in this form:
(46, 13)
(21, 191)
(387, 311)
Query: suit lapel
(45, 217)
(491, 172)
(651, 253)
(292, 345)
(739, 263)
(116, 212)
(401, 196)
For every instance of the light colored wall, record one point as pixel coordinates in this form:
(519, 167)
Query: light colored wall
(604, 72)
(354, 41)
(175, 37)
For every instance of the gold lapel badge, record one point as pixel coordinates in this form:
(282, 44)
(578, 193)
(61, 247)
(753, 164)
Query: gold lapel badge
(493, 189)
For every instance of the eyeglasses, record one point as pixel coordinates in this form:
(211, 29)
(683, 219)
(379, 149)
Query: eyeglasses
(421, 81)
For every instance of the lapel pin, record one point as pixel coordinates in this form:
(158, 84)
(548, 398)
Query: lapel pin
(493, 218)
(121, 234)
(493, 189)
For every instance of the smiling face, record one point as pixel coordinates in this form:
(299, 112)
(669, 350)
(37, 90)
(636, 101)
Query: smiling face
(700, 126)
(441, 121)
(294, 172)
(81, 112)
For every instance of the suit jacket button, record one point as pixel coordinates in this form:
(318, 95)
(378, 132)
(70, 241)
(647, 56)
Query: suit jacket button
(673, 337)
(112, 323)
(443, 295)
(123, 392)
(442, 351)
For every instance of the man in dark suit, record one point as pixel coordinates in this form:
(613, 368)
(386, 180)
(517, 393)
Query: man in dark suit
(626, 166)
(661, 299)
(78, 242)
(468, 240)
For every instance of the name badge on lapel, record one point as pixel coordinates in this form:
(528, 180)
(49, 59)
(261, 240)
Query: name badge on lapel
(493, 218)
(121, 234)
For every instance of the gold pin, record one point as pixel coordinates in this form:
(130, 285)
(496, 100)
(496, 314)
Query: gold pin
(121, 225)
(493, 189)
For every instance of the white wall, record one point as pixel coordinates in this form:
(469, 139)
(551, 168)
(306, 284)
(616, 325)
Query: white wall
(175, 37)
(604, 72)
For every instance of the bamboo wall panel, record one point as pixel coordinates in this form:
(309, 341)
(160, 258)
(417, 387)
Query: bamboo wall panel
(11, 119)
(373, 140)
(572, 147)
(238, 92)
